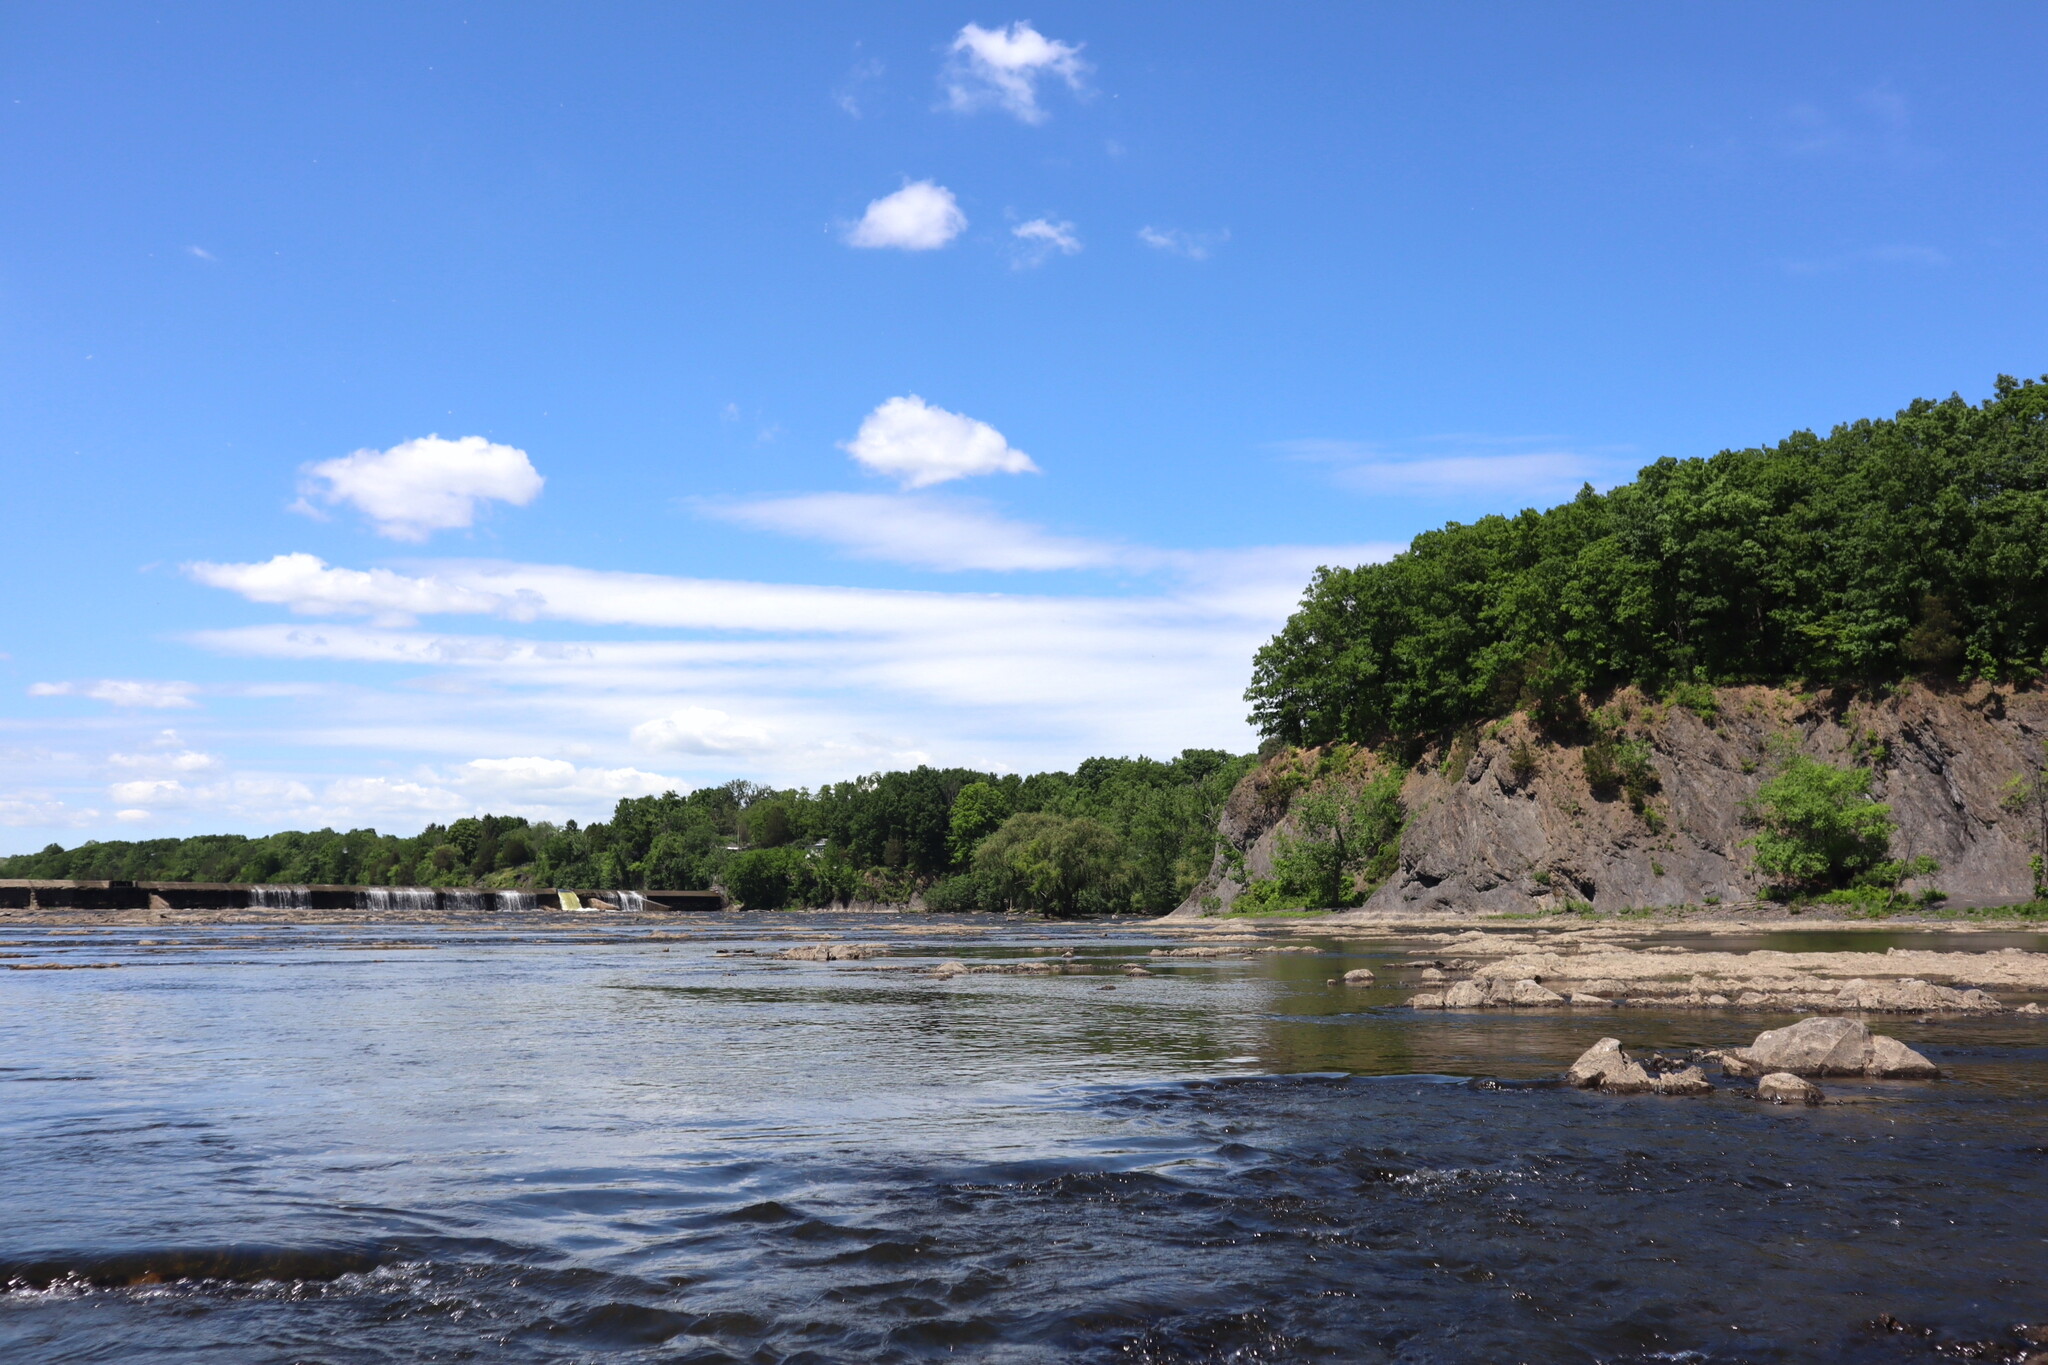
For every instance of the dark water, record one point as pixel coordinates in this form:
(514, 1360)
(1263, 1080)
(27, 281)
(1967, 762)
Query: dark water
(277, 1145)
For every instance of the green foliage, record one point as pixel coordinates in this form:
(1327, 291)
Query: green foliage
(977, 811)
(1343, 844)
(880, 837)
(1882, 549)
(1697, 698)
(1820, 830)
(1058, 864)
(1616, 766)
(1522, 762)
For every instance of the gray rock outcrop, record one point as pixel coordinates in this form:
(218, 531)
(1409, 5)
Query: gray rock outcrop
(1504, 819)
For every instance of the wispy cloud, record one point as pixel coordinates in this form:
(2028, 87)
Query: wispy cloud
(1892, 254)
(922, 216)
(1002, 69)
(922, 531)
(123, 692)
(1040, 238)
(847, 94)
(1193, 246)
(1460, 466)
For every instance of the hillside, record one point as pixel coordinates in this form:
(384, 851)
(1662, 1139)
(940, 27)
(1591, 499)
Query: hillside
(1915, 545)
(1652, 803)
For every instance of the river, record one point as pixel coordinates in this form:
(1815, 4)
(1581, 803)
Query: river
(623, 1144)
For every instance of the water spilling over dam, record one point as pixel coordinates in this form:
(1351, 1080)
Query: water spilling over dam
(289, 898)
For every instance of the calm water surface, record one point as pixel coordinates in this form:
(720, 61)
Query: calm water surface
(316, 1145)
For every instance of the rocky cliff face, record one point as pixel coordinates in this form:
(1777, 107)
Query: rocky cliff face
(1489, 833)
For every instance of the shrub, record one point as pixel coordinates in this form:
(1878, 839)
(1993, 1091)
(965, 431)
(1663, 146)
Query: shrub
(1820, 828)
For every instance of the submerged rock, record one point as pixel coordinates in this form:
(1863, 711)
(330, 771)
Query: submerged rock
(1782, 1087)
(1687, 1081)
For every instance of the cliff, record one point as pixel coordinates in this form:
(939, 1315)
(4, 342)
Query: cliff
(1505, 818)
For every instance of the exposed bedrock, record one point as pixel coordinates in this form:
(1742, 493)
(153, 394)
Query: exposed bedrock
(1488, 834)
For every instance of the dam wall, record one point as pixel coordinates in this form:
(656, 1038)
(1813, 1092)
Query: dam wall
(380, 900)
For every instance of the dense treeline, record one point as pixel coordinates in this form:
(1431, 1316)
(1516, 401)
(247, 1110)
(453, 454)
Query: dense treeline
(1887, 548)
(1116, 834)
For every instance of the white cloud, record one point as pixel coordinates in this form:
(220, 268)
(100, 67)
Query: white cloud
(927, 532)
(921, 216)
(180, 761)
(530, 779)
(1195, 246)
(909, 439)
(699, 730)
(419, 487)
(308, 586)
(123, 692)
(1001, 68)
(1041, 238)
(1539, 475)
(157, 792)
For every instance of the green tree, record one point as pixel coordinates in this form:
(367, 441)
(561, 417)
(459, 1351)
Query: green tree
(1882, 549)
(1055, 863)
(977, 811)
(1819, 826)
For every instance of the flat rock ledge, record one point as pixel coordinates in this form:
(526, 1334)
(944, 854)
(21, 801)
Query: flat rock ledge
(832, 952)
(1910, 996)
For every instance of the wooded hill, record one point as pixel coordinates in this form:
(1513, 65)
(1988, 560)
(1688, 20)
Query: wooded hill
(1914, 545)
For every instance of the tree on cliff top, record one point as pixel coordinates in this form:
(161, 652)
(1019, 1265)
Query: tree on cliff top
(1886, 548)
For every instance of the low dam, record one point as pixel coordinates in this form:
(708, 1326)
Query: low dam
(420, 900)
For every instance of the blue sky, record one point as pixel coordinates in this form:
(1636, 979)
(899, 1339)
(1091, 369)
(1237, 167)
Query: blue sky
(414, 409)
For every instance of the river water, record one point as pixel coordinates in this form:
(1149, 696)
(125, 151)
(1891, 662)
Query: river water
(535, 1145)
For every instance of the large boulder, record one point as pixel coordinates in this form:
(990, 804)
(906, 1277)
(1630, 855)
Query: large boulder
(1604, 1066)
(1826, 1047)
(1428, 1000)
(1464, 995)
(1522, 993)
(1893, 1060)
(1782, 1087)
(1813, 1047)
(1359, 976)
